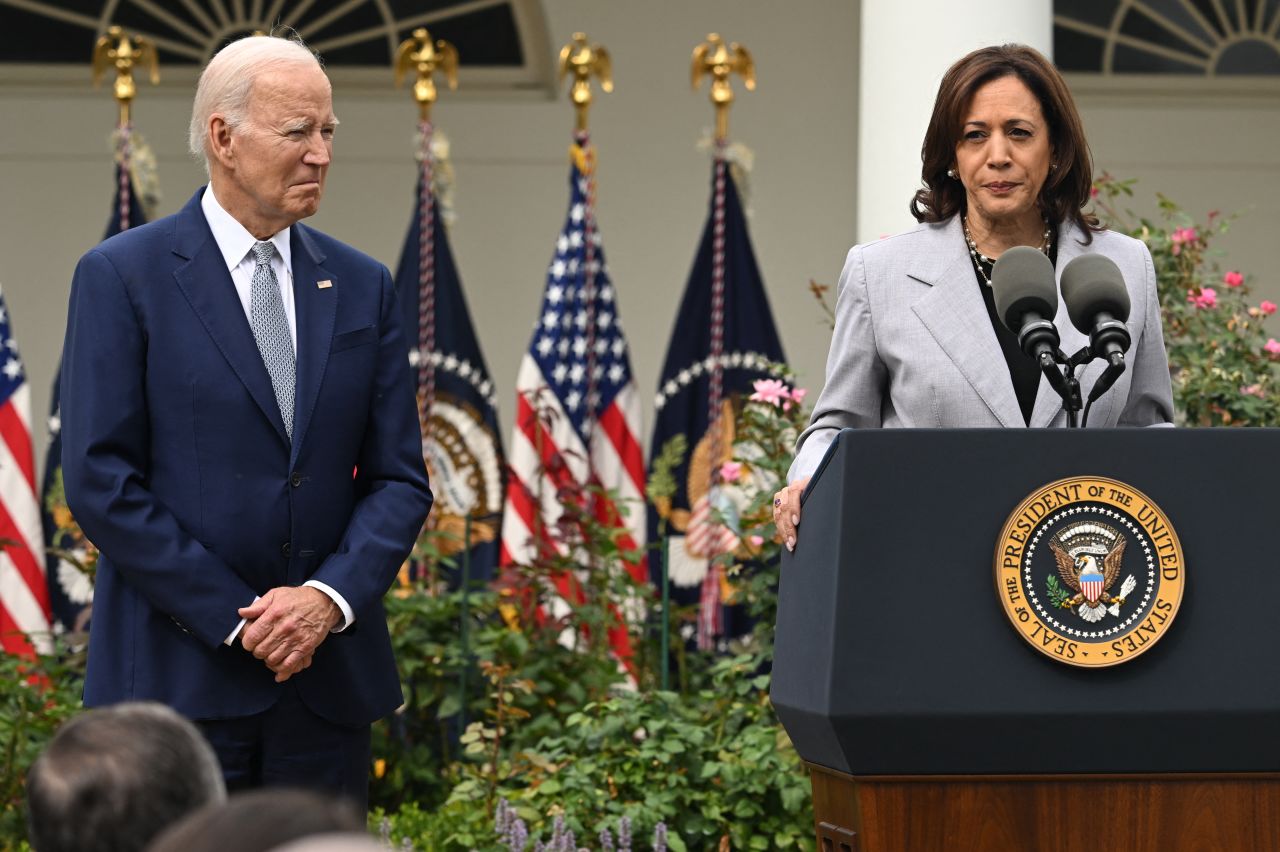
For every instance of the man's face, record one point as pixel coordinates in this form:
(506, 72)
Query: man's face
(278, 157)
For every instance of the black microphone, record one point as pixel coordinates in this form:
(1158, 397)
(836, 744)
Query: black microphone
(1026, 299)
(1098, 304)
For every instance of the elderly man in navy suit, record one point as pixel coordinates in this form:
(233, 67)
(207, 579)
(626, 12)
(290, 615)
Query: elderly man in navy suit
(240, 441)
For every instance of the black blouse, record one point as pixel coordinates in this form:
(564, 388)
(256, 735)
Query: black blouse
(1023, 370)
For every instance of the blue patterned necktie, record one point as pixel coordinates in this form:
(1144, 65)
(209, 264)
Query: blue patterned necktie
(271, 331)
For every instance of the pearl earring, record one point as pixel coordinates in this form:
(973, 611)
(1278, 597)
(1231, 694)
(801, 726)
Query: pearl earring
(951, 173)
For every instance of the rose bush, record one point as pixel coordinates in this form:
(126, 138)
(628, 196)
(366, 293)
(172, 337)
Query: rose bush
(1222, 359)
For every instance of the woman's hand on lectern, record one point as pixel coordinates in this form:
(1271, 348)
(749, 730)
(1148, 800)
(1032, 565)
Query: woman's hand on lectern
(786, 511)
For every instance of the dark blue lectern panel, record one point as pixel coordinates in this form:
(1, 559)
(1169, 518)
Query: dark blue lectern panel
(894, 654)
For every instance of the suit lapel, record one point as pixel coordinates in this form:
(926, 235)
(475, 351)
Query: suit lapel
(207, 286)
(954, 313)
(317, 310)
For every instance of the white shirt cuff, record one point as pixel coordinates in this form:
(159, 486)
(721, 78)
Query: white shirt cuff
(348, 617)
(234, 633)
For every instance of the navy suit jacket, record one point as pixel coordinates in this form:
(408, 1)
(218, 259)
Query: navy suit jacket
(178, 468)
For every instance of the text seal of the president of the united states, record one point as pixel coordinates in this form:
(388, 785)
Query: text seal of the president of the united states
(1090, 571)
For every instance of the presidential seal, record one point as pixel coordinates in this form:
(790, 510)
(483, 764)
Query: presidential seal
(1089, 571)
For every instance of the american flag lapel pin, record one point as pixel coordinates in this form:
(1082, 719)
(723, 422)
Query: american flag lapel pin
(325, 284)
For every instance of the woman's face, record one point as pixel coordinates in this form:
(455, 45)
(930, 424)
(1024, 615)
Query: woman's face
(1003, 154)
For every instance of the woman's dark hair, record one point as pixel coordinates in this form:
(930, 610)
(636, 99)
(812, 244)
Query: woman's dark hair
(1066, 189)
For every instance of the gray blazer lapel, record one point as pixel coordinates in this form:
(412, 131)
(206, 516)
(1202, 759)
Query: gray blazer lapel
(954, 313)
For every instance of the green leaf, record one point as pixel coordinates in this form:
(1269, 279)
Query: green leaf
(450, 706)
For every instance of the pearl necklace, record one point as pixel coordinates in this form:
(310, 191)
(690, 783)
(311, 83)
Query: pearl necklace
(979, 258)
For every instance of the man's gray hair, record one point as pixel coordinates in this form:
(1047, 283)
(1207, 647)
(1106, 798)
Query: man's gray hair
(114, 777)
(227, 83)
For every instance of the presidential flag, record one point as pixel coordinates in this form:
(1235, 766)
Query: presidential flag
(724, 339)
(24, 595)
(577, 419)
(70, 589)
(457, 405)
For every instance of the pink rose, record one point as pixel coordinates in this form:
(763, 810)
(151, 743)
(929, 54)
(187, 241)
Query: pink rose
(1272, 348)
(756, 540)
(730, 471)
(1093, 192)
(1252, 390)
(770, 391)
(1233, 279)
(1206, 298)
(1181, 236)
(797, 395)
(1267, 307)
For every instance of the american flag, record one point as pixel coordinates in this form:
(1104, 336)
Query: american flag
(577, 420)
(24, 597)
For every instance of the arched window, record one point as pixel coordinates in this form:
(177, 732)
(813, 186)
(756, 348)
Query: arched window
(501, 43)
(1211, 38)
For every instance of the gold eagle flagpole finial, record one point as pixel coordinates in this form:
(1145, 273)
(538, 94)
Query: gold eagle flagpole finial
(583, 60)
(721, 60)
(123, 52)
(425, 57)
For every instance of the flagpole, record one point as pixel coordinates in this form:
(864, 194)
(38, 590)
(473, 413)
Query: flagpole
(425, 57)
(583, 61)
(665, 639)
(465, 613)
(583, 138)
(718, 60)
(123, 52)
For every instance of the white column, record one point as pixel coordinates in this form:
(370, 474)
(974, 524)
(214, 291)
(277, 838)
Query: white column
(906, 47)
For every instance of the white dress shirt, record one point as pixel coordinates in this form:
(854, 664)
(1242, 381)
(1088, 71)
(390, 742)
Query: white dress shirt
(236, 245)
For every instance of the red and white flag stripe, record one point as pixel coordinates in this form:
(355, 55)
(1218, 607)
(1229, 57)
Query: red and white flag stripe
(24, 594)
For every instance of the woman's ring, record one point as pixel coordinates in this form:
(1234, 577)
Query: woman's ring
(777, 501)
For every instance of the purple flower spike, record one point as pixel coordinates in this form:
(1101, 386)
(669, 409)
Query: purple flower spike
(624, 834)
(519, 836)
(502, 818)
(606, 840)
(660, 837)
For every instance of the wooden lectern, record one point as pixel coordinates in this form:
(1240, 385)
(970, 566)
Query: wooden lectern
(929, 723)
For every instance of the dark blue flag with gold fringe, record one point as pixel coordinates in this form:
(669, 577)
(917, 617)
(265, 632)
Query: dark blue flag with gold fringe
(70, 587)
(724, 339)
(456, 402)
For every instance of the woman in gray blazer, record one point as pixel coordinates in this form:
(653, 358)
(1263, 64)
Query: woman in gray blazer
(917, 340)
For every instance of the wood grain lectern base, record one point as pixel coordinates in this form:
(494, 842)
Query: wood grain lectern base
(1046, 813)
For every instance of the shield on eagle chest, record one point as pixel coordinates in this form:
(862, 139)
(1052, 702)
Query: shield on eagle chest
(1091, 584)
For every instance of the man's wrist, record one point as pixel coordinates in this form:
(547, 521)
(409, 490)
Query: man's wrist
(345, 616)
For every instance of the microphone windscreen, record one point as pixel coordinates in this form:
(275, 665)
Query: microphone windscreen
(1092, 284)
(1022, 282)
